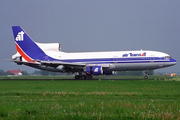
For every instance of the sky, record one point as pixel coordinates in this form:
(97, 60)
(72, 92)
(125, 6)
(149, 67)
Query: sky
(93, 25)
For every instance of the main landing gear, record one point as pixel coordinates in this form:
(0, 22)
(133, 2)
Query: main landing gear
(83, 76)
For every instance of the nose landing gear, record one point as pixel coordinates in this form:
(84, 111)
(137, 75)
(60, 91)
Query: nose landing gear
(145, 75)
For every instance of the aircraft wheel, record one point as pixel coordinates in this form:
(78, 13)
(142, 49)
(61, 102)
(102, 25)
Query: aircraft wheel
(83, 77)
(77, 77)
(146, 77)
(89, 77)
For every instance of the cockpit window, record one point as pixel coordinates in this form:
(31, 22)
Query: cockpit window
(167, 57)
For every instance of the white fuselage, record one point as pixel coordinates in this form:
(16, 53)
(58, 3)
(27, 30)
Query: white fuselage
(117, 60)
(109, 60)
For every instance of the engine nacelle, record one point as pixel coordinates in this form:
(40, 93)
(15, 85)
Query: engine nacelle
(109, 72)
(48, 68)
(49, 46)
(60, 67)
(94, 70)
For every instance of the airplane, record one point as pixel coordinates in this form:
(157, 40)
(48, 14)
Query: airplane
(49, 57)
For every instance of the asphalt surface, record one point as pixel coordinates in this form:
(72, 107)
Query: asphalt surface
(66, 79)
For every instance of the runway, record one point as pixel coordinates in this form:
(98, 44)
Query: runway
(66, 79)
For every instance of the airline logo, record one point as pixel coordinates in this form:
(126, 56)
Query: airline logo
(20, 36)
(133, 54)
(96, 69)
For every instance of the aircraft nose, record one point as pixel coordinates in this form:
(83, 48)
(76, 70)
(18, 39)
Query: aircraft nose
(173, 61)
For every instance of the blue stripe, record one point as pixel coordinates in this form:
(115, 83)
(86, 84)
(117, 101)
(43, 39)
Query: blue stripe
(120, 60)
(114, 60)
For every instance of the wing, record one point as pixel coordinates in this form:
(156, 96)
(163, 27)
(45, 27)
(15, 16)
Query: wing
(59, 65)
(73, 64)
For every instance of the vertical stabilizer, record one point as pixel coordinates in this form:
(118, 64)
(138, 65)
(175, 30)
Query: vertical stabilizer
(25, 46)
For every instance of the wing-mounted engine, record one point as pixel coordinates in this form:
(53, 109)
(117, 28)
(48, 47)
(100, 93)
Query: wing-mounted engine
(94, 70)
(97, 70)
(59, 68)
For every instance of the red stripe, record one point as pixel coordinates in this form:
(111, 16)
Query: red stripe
(23, 54)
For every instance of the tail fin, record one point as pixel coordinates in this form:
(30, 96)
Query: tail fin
(26, 47)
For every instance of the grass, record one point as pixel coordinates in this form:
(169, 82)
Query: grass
(110, 99)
